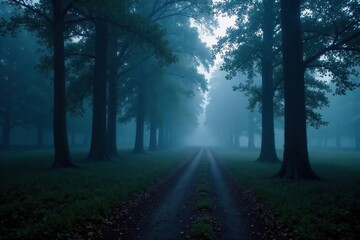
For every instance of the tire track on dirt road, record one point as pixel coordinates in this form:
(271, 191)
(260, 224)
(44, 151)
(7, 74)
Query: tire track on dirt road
(227, 208)
(173, 214)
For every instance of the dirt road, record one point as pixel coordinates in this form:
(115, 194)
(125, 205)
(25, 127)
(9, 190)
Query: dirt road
(172, 217)
(170, 209)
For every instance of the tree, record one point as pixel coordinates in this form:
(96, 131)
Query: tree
(342, 39)
(267, 153)
(98, 146)
(37, 17)
(296, 163)
(248, 50)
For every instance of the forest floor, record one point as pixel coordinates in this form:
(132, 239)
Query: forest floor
(200, 200)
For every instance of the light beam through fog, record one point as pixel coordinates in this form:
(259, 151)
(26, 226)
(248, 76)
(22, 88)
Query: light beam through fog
(201, 136)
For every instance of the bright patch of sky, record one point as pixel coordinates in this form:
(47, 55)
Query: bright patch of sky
(209, 39)
(201, 136)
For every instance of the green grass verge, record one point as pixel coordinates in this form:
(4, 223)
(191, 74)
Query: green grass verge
(38, 203)
(202, 228)
(326, 209)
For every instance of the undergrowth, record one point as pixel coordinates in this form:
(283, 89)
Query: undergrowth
(39, 203)
(326, 209)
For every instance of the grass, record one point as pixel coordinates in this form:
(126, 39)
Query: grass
(38, 203)
(326, 209)
(204, 204)
(202, 228)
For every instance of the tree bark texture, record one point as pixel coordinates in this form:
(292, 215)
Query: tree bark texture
(295, 163)
(61, 146)
(98, 148)
(268, 152)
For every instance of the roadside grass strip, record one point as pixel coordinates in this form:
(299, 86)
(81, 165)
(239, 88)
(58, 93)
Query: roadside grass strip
(326, 209)
(203, 226)
(39, 203)
(203, 229)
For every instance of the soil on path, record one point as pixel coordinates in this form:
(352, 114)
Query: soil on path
(170, 218)
(167, 210)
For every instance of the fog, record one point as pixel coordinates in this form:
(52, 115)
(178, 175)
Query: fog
(153, 96)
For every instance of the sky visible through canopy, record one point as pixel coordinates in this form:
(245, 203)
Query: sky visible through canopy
(201, 136)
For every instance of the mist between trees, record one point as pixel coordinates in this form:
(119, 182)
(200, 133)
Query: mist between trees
(110, 74)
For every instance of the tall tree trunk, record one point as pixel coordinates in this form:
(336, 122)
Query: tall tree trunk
(140, 119)
(153, 128)
(113, 99)
(61, 146)
(98, 148)
(268, 152)
(296, 164)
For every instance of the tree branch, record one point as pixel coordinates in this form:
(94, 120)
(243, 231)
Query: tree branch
(33, 9)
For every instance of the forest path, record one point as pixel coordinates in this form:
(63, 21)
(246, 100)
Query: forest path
(173, 214)
(227, 206)
(170, 209)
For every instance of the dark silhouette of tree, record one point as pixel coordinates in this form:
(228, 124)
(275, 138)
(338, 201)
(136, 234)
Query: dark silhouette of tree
(35, 16)
(296, 163)
(267, 153)
(248, 50)
(337, 33)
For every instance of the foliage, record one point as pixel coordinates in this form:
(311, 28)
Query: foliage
(331, 47)
(23, 96)
(38, 203)
(314, 210)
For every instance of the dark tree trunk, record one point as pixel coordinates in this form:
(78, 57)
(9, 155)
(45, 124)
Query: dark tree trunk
(113, 99)
(98, 148)
(296, 164)
(61, 147)
(268, 152)
(140, 119)
(153, 128)
(251, 134)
